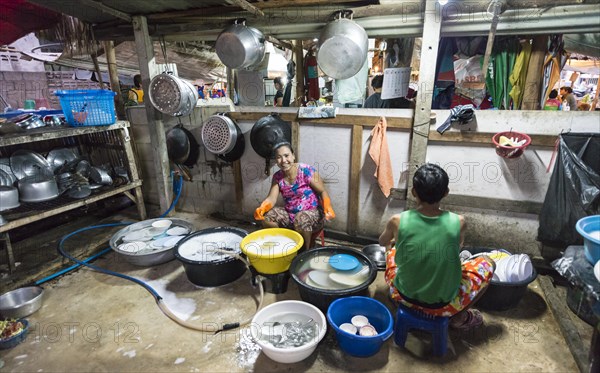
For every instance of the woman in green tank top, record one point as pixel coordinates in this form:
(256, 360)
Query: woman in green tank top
(423, 267)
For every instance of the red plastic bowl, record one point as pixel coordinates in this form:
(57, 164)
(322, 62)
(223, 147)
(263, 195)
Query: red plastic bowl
(511, 151)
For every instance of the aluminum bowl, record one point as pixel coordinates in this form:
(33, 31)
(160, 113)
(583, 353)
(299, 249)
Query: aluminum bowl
(376, 253)
(9, 197)
(149, 259)
(21, 302)
(38, 188)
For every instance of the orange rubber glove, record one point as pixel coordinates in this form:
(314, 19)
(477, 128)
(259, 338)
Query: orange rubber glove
(260, 212)
(327, 209)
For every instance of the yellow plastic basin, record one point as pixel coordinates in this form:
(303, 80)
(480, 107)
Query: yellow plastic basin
(267, 250)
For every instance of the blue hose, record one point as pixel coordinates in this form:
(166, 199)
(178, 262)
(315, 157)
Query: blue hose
(177, 189)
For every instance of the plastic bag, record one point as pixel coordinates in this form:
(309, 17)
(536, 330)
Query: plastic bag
(573, 191)
(468, 78)
(577, 269)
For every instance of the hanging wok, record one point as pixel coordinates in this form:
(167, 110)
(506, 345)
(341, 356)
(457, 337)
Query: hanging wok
(194, 152)
(178, 144)
(267, 132)
(238, 149)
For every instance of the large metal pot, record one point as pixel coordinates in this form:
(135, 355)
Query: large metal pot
(240, 46)
(343, 47)
(172, 95)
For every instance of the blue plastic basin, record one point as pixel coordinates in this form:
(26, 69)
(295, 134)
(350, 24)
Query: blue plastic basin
(591, 245)
(342, 310)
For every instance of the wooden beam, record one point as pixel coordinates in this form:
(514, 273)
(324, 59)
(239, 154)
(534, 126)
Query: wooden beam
(97, 69)
(339, 120)
(455, 201)
(354, 192)
(115, 85)
(274, 40)
(145, 53)
(485, 138)
(420, 130)
(299, 60)
(106, 9)
(296, 138)
(533, 82)
(248, 7)
(490, 42)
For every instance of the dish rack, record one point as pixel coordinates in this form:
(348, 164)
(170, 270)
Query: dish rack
(109, 146)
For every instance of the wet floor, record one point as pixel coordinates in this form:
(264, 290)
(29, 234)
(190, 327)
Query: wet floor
(94, 322)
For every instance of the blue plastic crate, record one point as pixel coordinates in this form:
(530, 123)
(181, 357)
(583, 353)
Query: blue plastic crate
(94, 107)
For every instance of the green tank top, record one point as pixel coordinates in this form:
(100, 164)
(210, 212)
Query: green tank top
(429, 268)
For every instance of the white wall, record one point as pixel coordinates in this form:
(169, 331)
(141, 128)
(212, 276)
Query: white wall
(474, 170)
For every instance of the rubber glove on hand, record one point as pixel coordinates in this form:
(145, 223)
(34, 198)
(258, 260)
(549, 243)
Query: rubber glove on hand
(260, 212)
(327, 209)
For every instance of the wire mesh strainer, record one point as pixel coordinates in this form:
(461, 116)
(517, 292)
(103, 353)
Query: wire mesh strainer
(172, 95)
(219, 134)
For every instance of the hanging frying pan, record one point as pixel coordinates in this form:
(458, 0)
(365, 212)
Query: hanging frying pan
(222, 136)
(178, 144)
(194, 152)
(267, 132)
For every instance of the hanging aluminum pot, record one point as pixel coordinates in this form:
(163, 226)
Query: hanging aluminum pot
(267, 132)
(172, 95)
(240, 46)
(343, 47)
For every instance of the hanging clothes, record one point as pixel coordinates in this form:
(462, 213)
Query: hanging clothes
(380, 153)
(444, 75)
(519, 74)
(553, 63)
(311, 77)
(502, 62)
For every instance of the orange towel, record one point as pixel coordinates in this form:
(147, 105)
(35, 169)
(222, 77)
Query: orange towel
(380, 153)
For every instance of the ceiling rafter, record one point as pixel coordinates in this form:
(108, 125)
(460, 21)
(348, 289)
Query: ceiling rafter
(106, 9)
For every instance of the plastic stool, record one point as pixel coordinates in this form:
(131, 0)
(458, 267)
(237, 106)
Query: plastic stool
(320, 234)
(407, 319)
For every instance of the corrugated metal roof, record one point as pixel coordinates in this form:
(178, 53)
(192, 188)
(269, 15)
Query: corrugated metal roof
(302, 19)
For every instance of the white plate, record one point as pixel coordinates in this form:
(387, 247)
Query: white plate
(159, 243)
(139, 235)
(178, 231)
(320, 262)
(346, 280)
(171, 241)
(321, 279)
(132, 247)
(597, 270)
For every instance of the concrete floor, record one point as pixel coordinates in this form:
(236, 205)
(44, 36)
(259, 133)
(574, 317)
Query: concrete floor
(94, 322)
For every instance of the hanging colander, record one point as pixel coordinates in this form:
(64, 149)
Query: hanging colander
(219, 134)
(171, 95)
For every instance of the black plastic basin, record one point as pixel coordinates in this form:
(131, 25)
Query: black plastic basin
(210, 273)
(501, 296)
(322, 298)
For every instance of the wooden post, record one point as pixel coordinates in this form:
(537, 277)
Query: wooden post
(354, 191)
(420, 128)
(533, 82)
(113, 73)
(230, 83)
(145, 52)
(97, 69)
(299, 60)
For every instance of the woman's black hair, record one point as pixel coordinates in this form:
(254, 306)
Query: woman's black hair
(553, 94)
(430, 183)
(280, 144)
(277, 81)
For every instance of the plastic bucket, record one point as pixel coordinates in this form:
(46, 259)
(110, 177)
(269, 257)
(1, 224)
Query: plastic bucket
(589, 229)
(342, 310)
